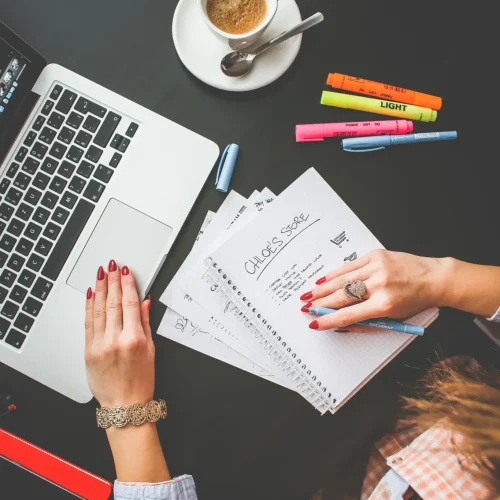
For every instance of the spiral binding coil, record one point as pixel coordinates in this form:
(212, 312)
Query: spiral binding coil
(284, 358)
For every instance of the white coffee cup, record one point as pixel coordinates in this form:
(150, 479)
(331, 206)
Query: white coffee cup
(245, 39)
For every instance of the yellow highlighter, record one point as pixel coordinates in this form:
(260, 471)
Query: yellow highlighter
(379, 106)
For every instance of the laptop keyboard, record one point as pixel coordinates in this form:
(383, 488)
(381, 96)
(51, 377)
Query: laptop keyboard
(60, 170)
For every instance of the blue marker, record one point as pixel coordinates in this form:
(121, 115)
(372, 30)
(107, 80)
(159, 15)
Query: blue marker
(375, 323)
(366, 144)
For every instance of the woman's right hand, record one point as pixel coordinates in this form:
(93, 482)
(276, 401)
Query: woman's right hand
(399, 285)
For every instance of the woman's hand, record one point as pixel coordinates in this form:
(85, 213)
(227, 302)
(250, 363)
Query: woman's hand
(119, 350)
(398, 285)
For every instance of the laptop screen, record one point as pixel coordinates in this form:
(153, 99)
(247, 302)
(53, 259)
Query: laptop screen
(12, 67)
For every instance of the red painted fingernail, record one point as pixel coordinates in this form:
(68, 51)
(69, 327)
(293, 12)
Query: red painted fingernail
(305, 308)
(149, 304)
(306, 296)
(125, 271)
(321, 280)
(313, 325)
(11, 407)
(100, 273)
(112, 266)
(89, 293)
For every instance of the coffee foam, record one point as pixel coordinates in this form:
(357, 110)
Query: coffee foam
(236, 16)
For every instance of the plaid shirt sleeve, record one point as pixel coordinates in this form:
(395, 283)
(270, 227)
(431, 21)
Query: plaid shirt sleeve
(431, 463)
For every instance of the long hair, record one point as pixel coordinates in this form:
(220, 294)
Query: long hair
(464, 398)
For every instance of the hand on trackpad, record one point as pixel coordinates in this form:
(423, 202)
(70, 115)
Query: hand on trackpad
(129, 237)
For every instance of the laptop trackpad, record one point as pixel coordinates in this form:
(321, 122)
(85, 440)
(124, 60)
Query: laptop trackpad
(129, 237)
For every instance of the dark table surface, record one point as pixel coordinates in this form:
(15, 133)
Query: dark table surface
(240, 436)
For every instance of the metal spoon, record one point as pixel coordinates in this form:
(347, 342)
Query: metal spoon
(238, 62)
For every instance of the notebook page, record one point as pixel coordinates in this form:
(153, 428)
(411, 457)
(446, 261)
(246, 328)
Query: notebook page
(276, 257)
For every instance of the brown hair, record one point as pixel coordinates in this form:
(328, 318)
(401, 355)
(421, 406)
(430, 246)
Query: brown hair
(464, 398)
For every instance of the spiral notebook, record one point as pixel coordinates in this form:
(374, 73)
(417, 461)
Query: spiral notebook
(253, 282)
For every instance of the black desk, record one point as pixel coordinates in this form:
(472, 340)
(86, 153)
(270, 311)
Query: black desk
(242, 437)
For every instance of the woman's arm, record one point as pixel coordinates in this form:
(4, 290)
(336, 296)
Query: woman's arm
(400, 285)
(119, 355)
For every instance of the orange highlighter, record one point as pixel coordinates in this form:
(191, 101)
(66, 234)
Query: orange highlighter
(362, 86)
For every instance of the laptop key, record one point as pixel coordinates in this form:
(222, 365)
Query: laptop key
(41, 181)
(93, 154)
(4, 324)
(68, 200)
(24, 246)
(3, 258)
(94, 191)
(30, 166)
(32, 306)
(66, 135)
(4, 185)
(15, 338)
(33, 231)
(21, 154)
(35, 262)
(24, 211)
(49, 165)
(60, 215)
(24, 323)
(91, 123)
(6, 211)
(41, 216)
(132, 129)
(21, 182)
(47, 107)
(39, 150)
(85, 106)
(16, 262)
(43, 246)
(32, 196)
(42, 288)
(103, 173)
(57, 184)
(7, 242)
(18, 294)
(107, 129)
(66, 101)
(47, 135)
(74, 120)
(77, 184)
(56, 91)
(83, 139)
(67, 239)
(85, 169)
(51, 231)
(13, 196)
(26, 279)
(115, 160)
(15, 227)
(7, 278)
(66, 169)
(2, 226)
(55, 120)
(38, 123)
(11, 172)
(57, 150)
(30, 138)
(49, 199)
(9, 310)
(75, 154)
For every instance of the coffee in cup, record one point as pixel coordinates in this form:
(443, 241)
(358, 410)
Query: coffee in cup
(236, 17)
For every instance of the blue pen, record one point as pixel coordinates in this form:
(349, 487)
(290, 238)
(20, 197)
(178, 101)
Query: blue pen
(375, 323)
(366, 144)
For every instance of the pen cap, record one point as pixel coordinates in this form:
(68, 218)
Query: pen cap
(226, 167)
(334, 80)
(428, 101)
(309, 133)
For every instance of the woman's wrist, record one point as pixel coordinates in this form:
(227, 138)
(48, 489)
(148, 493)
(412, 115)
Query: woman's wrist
(441, 281)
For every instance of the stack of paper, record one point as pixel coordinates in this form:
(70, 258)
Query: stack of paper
(236, 297)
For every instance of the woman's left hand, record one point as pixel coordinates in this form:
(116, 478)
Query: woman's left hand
(398, 285)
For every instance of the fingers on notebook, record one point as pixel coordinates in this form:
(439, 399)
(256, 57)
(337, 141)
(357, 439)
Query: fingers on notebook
(348, 267)
(345, 317)
(114, 313)
(336, 284)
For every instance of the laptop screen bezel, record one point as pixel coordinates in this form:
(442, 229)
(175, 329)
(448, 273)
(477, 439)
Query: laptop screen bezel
(25, 98)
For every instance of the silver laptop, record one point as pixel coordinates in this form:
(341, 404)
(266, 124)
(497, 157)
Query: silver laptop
(85, 176)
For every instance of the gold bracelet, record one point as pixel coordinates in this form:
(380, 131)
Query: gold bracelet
(137, 414)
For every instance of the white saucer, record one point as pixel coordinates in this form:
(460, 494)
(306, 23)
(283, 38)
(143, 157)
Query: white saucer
(201, 51)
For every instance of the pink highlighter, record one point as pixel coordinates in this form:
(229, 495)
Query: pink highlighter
(318, 131)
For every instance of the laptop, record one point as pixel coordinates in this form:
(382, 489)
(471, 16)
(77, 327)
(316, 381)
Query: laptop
(85, 176)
